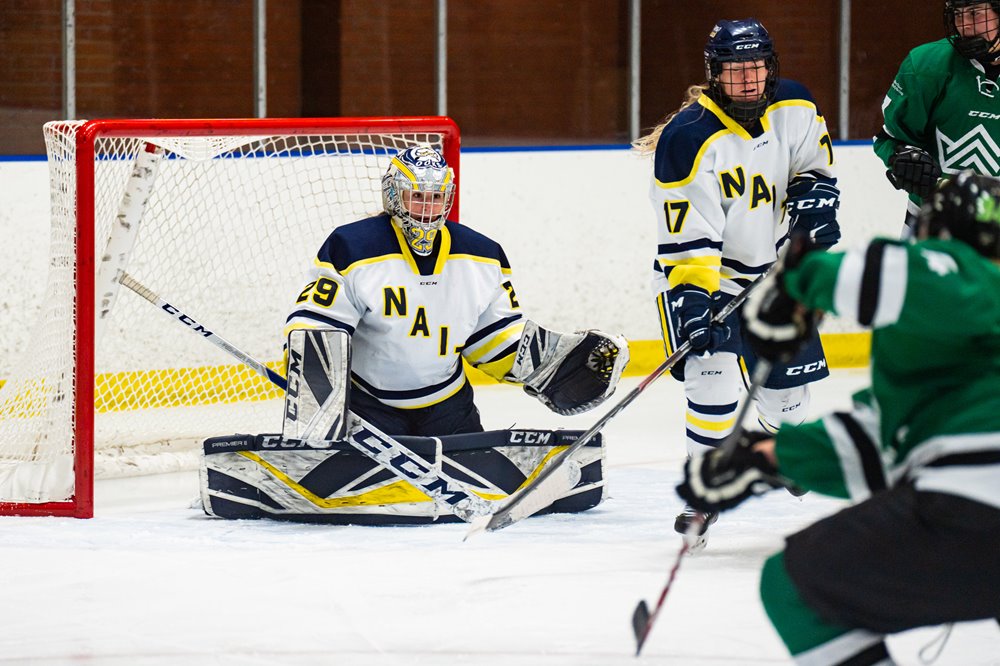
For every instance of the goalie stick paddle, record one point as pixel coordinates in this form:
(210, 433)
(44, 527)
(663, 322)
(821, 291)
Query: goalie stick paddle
(449, 495)
(535, 496)
(642, 619)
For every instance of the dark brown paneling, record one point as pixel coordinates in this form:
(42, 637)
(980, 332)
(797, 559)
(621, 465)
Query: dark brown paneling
(520, 71)
(147, 58)
(879, 43)
(321, 61)
(387, 58)
(284, 59)
(143, 58)
(30, 72)
(674, 36)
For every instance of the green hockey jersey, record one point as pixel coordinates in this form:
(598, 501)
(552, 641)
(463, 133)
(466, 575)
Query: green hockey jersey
(947, 105)
(932, 413)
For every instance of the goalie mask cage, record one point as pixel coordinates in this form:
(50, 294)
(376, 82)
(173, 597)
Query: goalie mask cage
(222, 218)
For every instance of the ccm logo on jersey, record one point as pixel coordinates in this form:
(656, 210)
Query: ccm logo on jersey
(805, 369)
(984, 114)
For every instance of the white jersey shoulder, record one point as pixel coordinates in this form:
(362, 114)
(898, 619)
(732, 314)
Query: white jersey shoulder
(412, 318)
(719, 188)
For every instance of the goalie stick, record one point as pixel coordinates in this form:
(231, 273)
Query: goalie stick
(535, 496)
(642, 619)
(447, 494)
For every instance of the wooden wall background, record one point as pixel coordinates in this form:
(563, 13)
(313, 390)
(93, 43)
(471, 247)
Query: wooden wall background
(521, 72)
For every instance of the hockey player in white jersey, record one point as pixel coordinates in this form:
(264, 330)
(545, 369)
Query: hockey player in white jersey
(418, 293)
(745, 159)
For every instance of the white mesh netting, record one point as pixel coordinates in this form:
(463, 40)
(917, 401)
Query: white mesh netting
(230, 225)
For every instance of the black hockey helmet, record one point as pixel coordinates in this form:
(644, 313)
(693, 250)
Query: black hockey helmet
(966, 208)
(740, 41)
(978, 48)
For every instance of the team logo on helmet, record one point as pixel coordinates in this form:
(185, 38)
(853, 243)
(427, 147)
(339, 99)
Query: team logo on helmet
(425, 156)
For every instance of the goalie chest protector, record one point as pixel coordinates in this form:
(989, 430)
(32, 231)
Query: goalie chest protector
(266, 476)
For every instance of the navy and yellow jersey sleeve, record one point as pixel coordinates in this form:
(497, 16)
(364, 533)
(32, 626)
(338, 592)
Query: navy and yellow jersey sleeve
(328, 297)
(687, 200)
(492, 345)
(812, 148)
(910, 100)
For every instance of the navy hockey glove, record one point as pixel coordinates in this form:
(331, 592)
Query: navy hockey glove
(714, 483)
(913, 170)
(693, 309)
(775, 325)
(812, 207)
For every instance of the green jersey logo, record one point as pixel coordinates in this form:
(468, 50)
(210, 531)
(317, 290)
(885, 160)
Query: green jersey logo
(976, 150)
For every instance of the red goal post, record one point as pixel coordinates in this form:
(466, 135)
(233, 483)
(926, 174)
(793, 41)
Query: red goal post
(221, 217)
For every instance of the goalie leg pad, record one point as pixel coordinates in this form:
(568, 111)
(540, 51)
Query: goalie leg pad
(569, 372)
(268, 476)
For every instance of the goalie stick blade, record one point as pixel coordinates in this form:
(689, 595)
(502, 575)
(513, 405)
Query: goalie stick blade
(560, 480)
(640, 625)
(477, 526)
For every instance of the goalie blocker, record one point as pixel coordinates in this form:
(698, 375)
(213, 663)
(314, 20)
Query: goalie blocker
(268, 476)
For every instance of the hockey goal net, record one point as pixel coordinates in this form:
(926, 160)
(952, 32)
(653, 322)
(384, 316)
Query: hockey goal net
(219, 217)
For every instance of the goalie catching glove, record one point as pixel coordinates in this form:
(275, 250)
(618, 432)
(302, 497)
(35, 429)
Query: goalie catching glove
(569, 372)
(715, 482)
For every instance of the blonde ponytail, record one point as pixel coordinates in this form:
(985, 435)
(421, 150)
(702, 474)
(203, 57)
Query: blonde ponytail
(646, 145)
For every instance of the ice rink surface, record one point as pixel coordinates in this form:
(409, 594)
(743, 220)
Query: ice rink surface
(150, 581)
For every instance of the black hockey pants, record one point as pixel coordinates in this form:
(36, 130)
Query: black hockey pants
(900, 560)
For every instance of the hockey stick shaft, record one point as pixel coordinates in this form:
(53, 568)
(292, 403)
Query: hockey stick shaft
(526, 501)
(642, 619)
(446, 493)
(128, 281)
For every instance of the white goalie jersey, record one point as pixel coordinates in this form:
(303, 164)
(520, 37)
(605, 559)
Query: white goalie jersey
(719, 189)
(413, 318)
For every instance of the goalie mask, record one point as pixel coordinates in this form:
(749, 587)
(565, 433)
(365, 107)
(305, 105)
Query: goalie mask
(966, 208)
(741, 67)
(417, 191)
(973, 27)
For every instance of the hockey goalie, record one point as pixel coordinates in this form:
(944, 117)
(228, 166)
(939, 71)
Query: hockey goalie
(393, 308)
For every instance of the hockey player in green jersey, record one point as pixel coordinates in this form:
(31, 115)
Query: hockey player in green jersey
(942, 112)
(919, 451)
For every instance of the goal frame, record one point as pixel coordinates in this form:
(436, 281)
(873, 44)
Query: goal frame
(81, 505)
